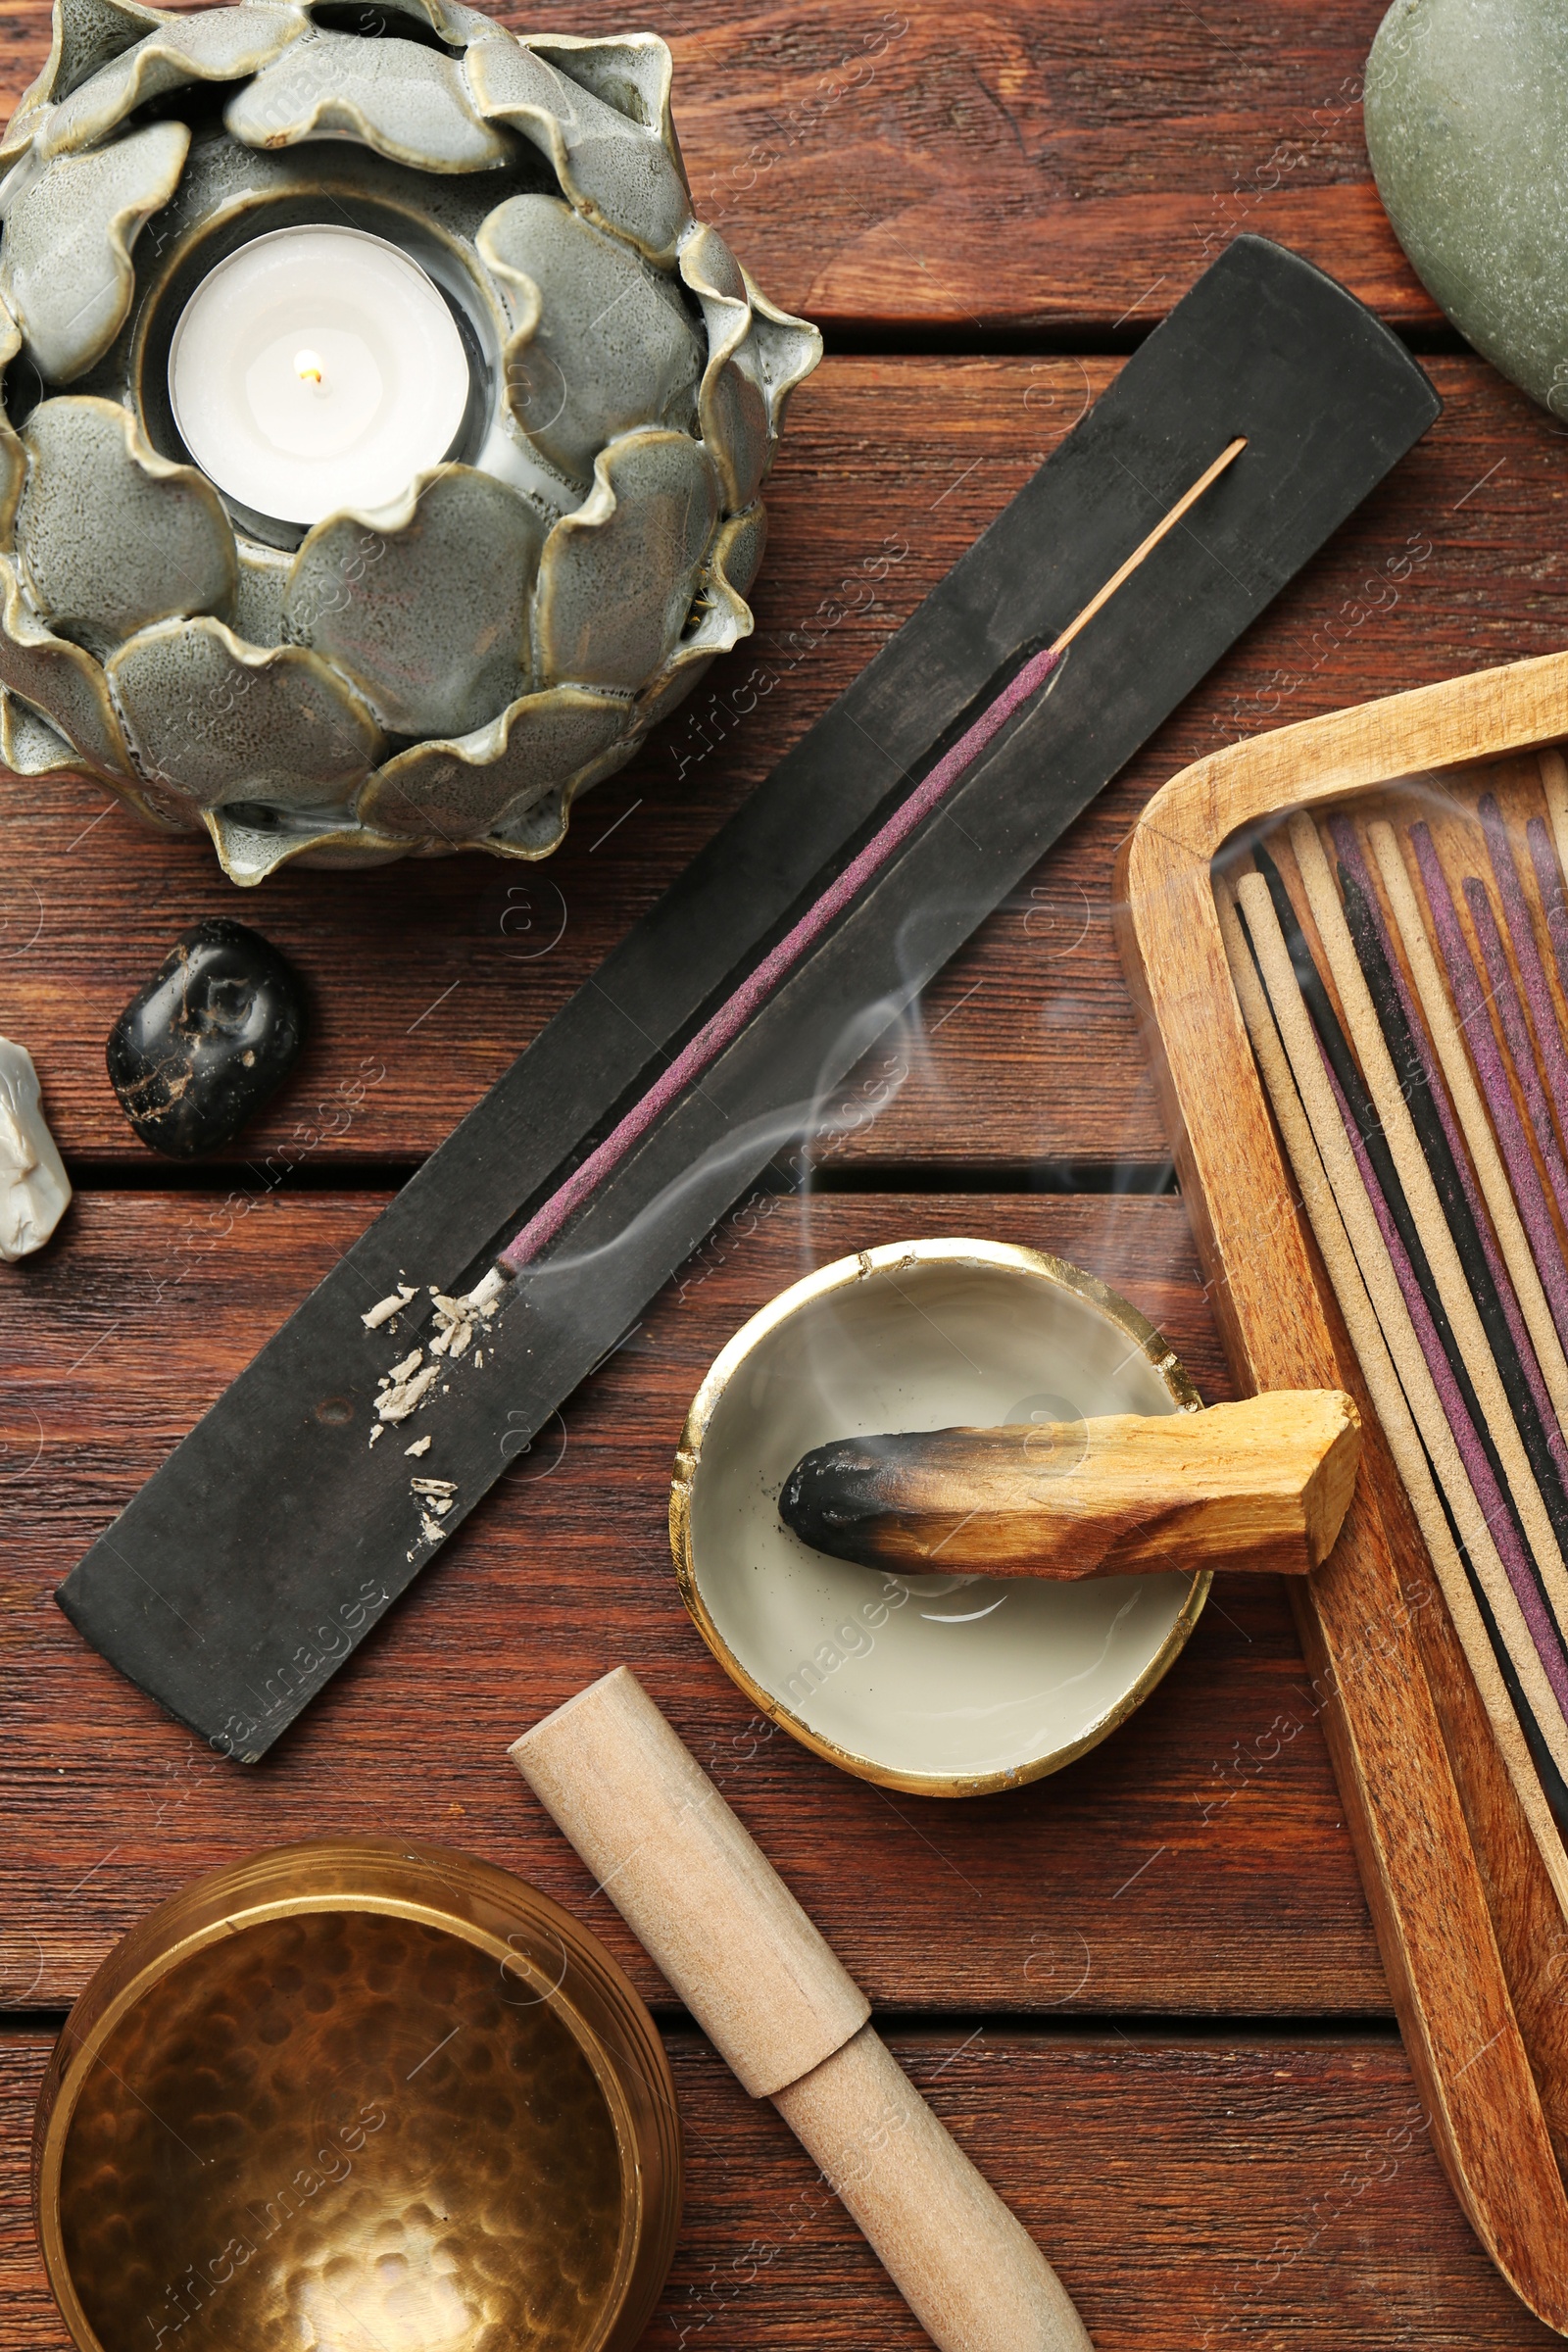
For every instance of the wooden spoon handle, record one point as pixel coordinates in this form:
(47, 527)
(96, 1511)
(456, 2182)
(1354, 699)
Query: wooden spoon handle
(1260, 1485)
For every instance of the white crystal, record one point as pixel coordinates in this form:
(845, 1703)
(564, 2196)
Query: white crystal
(35, 1188)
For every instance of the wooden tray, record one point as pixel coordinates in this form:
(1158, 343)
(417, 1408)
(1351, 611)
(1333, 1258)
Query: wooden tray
(1471, 1934)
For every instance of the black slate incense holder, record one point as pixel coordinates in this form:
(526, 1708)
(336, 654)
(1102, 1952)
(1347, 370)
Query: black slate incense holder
(252, 1563)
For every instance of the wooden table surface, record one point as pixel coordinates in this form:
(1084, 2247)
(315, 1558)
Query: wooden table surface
(1143, 1993)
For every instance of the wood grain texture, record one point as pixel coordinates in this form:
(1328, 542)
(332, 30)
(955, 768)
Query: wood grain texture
(876, 162)
(425, 978)
(1196, 1862)
(1193, 2191)
(1422, 1778)
(1262, 1483)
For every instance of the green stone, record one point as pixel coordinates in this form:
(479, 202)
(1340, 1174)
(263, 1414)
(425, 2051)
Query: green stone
(1466, 107)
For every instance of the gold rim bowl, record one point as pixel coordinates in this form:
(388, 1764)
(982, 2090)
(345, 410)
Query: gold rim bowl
(360, 2096)
(938, 1684)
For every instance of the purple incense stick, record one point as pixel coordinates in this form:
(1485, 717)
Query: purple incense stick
(1517, 1566)
(1548, 881)
(1349, 850)
(1526, 956)
(1516, 1035)
(754, 990)
(1469, 997)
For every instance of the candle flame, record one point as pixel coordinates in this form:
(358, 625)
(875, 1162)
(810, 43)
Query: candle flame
(308, 367)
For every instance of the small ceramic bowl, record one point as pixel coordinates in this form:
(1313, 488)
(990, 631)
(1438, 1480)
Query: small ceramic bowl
(358, 2094)
(945, 1685)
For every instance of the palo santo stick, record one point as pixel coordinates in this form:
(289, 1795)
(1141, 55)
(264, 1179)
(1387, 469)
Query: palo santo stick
(1264, 1484)
(714, 1915)
(1377, 1370)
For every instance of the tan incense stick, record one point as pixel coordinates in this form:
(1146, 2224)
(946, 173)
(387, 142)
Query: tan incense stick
(1397, 1373)
(1389, 1398)
(1410, 1162)
(1446, 1037)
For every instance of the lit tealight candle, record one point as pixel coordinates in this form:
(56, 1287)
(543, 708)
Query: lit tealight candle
(316, 368)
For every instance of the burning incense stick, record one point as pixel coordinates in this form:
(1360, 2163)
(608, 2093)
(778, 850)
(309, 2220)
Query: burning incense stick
(726, 1024)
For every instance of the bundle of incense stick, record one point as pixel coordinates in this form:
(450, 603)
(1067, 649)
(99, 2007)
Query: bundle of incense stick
(1403, 977)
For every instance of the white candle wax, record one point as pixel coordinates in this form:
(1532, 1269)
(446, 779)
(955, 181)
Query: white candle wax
(316, 368)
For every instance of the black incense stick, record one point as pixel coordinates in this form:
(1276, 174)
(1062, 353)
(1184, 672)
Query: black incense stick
(1448, 1113)
(1386, 1315)
(1364, 1114)
(1456, 1209)
(1469, 1437)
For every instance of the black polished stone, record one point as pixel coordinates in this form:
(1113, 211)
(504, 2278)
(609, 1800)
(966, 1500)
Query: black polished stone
(200, 1048)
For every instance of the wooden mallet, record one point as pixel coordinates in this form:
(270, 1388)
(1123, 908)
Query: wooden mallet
(1260, 1484)
(724, 1928)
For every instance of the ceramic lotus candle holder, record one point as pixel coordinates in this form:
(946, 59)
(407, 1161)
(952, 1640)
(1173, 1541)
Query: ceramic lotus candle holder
(446, 672)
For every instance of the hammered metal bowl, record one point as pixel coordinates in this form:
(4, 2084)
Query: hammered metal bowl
(357, 2096)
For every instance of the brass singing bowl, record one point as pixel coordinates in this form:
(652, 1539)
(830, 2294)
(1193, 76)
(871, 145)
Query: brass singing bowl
(358, 2096)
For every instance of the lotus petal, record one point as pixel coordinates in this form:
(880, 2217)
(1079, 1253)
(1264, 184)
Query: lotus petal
(29, 746)
(732, 405)
(87, 34)
(249, 849)
(66, 271)
(633, 72)
(424, 605)
(787, 350)
(617, 577)
(215, 44)
(540, 829)
(723, 617)
(60, 681)
(602, 344)
(619, 172)
(110, 536)
(461, 791)
(12, 463)
(257, 614)
(218, 720)
(405, 101)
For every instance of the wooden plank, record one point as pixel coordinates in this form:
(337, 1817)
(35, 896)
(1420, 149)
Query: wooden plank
(1194, 1863)
(426, 978)
(1192, 2191)
(1036, 170)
